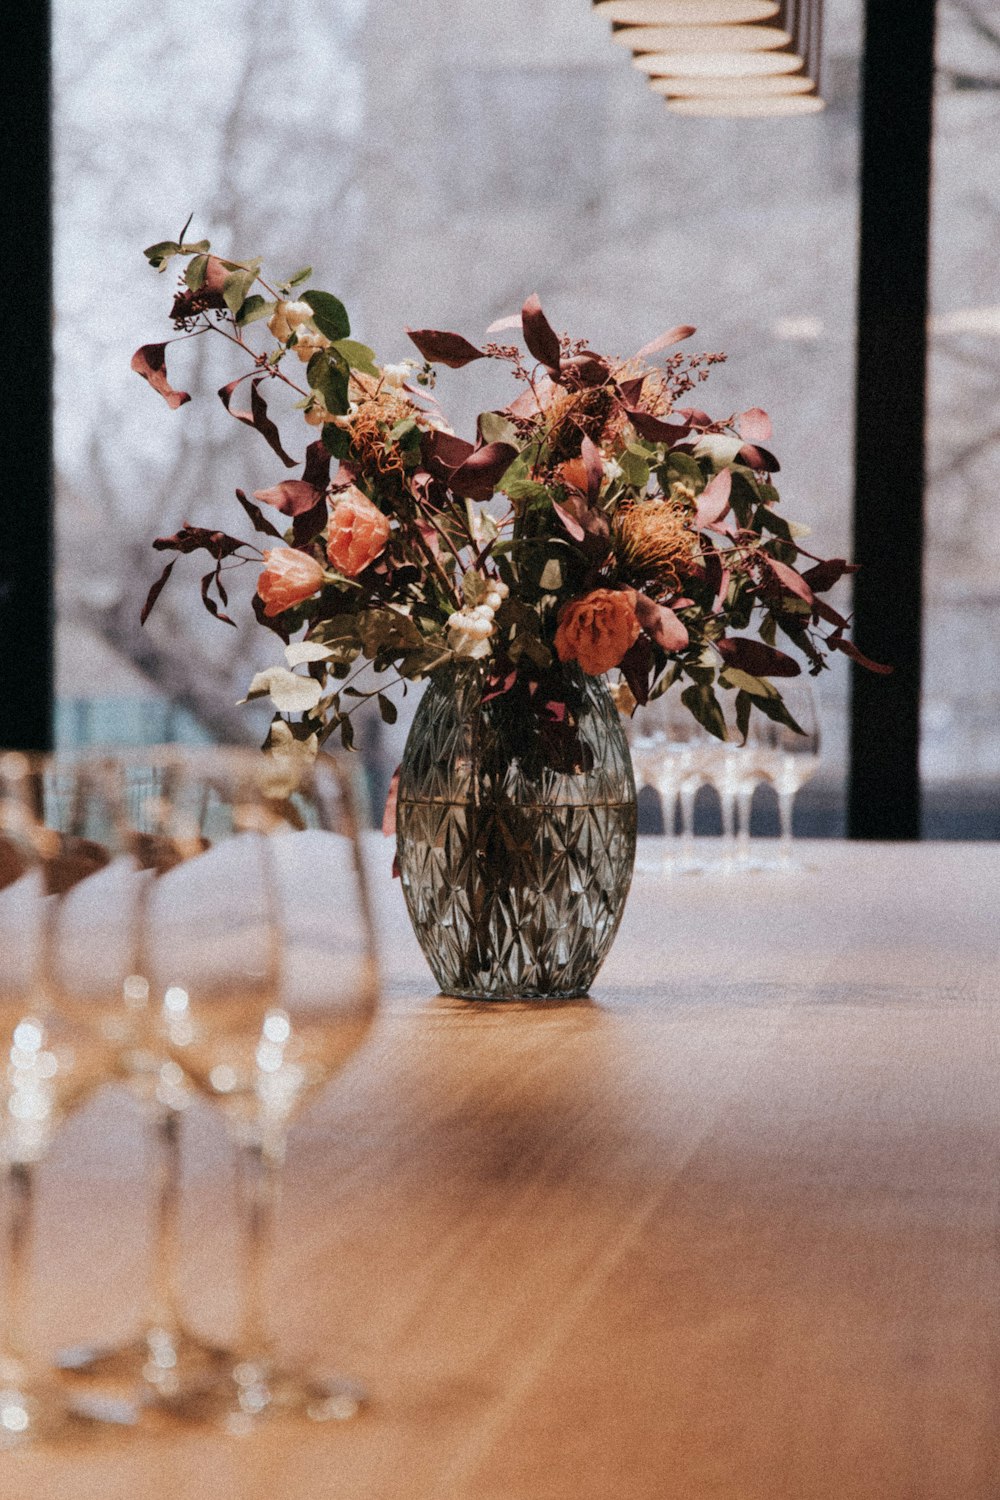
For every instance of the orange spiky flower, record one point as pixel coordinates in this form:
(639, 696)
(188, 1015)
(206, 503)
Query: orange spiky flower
(652, 539)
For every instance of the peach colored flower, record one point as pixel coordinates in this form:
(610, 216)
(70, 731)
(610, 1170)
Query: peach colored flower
(598, 629)
(289, 576)
(357, 535)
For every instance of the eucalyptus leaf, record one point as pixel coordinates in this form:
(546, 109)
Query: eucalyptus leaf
(387, 709)
(329, 314)
(705, 706)
(253, 308)
(358, 356)
(299, 276)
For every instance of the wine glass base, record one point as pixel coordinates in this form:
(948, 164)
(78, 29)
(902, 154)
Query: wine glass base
(157, 1370)
(40, 1411)
(256, 1394)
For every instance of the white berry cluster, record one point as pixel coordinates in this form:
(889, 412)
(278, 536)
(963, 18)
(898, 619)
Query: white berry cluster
(470, 628)
(293, 317)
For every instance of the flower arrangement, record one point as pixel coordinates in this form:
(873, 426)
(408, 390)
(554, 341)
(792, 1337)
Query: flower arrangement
(597, 519)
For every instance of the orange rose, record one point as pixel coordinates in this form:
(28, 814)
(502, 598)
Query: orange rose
(357, 535)
(598, 629)
(289, 577)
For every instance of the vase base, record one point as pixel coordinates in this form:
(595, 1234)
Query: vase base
(518, 997)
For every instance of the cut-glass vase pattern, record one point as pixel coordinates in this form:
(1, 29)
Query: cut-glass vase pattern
(515, 850)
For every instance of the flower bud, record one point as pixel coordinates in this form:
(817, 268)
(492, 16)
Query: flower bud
(288, 578)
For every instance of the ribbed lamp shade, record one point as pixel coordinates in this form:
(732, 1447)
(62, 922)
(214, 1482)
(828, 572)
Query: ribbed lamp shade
(743, 58)
(774, 86)
(701, 38)
(716, 64)
(743, 107)
(687, 12)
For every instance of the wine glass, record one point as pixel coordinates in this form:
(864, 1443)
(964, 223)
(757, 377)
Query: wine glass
(662, 737)
(97, 981)
(48, 1068)
(259, 944)
(789, 757)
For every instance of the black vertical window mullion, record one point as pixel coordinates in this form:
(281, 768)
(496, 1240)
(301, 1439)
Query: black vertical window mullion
(26, 508)
(897, 111)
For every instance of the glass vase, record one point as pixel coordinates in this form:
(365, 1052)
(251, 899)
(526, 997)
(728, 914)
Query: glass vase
(516, 826)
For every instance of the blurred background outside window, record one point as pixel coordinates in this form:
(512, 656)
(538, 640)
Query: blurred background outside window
(437, 160)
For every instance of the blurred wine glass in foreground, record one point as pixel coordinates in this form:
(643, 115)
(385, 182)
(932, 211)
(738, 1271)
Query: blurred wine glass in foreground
(46, 1067)
(259, 946)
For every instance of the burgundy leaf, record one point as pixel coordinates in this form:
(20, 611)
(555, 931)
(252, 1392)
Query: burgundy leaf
(631, 390)
(209, 602)
(758, 458)
(570, 522)
(654, 429)
(442, 452)
(292, 496)
(824, 611)
(441, 348)
(583, 369)
(754, 426)
(700, 420)
(713, 502)
(756, 658)
(317, 465)
(196, 538)
(257, 516)
(150, 362)
(156, 591)
(539, 335)
(825, 574)
(661, 624)
(496, 684)
(309, 523)
(256, 417)
(636, 667)
(672, 336)
(839, 643)
(791, 582)
(478, 476)
(717, 576)
(501, 324)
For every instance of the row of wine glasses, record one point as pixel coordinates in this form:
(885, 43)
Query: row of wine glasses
(182, 923)
(676, 757)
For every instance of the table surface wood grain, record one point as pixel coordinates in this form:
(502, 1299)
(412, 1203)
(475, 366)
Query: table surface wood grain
(729, 1229)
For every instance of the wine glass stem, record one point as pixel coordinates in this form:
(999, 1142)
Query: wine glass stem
(744, 805)
(20, 1222)
(785, 803)
(163, 1314)
(260, 1163)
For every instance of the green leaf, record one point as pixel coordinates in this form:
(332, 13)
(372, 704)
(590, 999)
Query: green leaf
(702, 702)
(358, 356)
(635, 470)
(387, 709)
(252, 309)
(744, 495)
(336, 440)
(158, 255)
(757, 687)
(194, 276)
(681, 466)
(474, 588)
(329, 314)
(551, 577)
(524, 489)
(236, 287)
(768, 630)
(496, 428)
(328, 375)
(299, 276)
(774, 708)
(744, 707)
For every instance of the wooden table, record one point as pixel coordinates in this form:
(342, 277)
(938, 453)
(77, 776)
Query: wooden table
(728, 1230)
